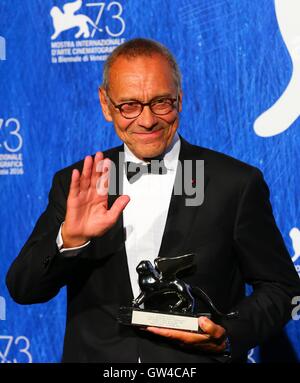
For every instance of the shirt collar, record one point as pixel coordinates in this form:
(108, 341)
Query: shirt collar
(170, 156)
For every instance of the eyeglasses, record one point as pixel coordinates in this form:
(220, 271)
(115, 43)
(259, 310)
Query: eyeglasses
(133, 109)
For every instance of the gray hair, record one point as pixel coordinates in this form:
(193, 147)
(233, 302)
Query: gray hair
(141, 47)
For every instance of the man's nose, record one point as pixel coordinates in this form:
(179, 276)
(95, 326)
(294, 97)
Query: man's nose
(147, 118)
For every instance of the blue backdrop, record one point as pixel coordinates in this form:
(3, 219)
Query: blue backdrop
(236, 57)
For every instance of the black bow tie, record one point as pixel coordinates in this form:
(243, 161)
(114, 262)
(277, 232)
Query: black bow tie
(134, 171)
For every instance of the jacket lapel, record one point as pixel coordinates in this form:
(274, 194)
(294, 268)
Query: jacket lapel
(180, 216)
(113, 241)
(115, 238)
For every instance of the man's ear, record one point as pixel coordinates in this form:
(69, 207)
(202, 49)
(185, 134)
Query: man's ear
(104, 104)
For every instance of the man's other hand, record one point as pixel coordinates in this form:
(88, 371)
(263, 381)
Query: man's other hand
(213, 338)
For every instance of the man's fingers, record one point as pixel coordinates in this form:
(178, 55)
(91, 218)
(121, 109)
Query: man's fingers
(75, 184)
(118, 206)
(181, 336)
(85, 178)
(212, 338)
(212, 329)
(190, 340)
(102, 184)
(97, 168)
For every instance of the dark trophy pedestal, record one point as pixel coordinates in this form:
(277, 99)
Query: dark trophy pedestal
(169, 302)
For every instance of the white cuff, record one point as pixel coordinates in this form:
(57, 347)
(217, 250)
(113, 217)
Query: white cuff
(71, 251)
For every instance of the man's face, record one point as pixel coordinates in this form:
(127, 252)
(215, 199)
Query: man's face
(142, 79)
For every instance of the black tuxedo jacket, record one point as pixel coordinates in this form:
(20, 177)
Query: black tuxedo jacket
(236, 241)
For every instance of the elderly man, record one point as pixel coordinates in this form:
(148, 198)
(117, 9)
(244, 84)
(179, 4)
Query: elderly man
(91, 241)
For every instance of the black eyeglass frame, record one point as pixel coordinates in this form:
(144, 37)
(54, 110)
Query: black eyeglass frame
(143, 104)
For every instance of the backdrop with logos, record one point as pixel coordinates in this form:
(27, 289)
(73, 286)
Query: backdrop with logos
(240, 61)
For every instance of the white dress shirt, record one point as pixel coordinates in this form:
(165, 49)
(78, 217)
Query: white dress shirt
(144, 218)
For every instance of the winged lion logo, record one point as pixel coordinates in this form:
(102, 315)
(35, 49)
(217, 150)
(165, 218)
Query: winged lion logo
(63, 21)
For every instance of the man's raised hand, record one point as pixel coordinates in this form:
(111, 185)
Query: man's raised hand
(87, 213)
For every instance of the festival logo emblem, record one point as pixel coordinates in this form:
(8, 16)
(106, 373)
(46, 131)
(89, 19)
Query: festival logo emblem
(11, 143)
(67, 19)
(13, 349)
(86, 32)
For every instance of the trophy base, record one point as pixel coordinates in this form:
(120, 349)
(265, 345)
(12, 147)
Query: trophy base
(174, 320)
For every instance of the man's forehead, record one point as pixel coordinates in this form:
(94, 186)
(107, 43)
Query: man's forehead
(141, 71)
(131, 59)
(138, 63)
